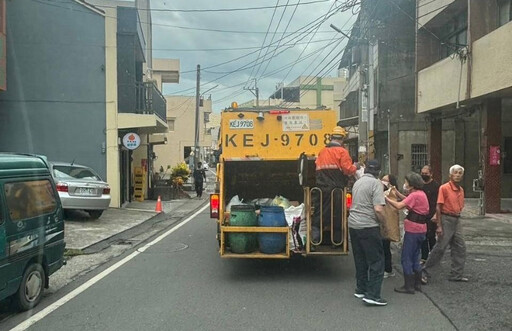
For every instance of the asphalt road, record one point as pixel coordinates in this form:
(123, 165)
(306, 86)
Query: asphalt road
(181, 283)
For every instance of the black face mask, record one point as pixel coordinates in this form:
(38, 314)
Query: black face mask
(425, 177)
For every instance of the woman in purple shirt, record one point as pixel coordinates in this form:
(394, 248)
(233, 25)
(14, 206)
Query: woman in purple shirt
(415, 227)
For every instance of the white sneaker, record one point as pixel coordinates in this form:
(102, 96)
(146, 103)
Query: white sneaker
(389, 274)
(375, 302)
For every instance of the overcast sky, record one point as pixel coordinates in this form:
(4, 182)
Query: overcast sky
(191, 47)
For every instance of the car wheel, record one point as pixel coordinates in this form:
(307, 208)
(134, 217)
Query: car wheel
(31, 288)
(95, 214)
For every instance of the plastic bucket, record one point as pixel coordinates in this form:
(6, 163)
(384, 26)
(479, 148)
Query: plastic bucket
(272, 243)
(240, 243)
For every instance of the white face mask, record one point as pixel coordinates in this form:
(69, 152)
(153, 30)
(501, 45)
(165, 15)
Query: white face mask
(385, 183)
(406, 188)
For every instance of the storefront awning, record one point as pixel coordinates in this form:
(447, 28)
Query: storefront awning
(350, 121)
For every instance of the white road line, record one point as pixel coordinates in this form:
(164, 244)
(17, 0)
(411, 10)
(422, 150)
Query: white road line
(43, 313)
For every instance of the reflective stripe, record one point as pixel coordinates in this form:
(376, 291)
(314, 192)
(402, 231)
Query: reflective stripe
(327, 166)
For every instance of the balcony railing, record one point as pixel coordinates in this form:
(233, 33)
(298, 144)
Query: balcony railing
(149, 100)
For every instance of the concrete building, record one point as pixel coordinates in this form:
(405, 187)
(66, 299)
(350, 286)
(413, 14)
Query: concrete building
(76, 95)
(55, 101)
(378, 106)
(181, 119)
(311, 92)
(464, 85)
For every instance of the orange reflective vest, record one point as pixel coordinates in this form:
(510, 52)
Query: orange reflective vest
(333, 165)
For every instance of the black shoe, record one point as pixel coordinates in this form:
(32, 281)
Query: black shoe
(375, 302)
(417, 281)
(408, 287)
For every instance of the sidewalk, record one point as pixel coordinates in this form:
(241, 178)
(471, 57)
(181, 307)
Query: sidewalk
(82, 232)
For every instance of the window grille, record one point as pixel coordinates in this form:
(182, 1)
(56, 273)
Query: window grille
(419, 157)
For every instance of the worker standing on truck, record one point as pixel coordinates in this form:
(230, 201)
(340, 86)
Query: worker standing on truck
(333, 166)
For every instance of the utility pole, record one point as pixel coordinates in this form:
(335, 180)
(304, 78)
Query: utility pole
(256, 91)
(196, 141)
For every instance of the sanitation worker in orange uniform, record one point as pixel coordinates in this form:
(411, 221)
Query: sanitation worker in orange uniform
(333, 168)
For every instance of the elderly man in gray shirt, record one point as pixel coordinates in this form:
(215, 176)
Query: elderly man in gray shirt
(366, 213)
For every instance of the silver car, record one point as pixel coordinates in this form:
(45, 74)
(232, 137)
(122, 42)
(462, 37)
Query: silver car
(80, 187)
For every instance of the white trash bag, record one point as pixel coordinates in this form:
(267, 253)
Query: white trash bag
(295, 219)
(233, 202)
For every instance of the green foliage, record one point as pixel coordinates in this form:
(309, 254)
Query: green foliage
(179, 174)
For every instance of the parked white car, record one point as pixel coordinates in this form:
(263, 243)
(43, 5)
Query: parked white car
(80, 187)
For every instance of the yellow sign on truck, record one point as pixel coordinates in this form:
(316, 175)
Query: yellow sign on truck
(268, 155)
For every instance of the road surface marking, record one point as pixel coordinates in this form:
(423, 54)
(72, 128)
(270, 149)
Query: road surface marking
(54, 306)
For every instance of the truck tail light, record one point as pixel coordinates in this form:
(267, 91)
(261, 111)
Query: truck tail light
(214, 206)
(348, 200)
(62, 187)
(106, 190)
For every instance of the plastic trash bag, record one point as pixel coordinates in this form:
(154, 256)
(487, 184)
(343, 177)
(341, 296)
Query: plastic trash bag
(281, 202)
(295, 218)
(359, 173)
(233, 202)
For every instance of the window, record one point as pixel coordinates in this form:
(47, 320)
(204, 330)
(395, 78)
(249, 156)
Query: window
(170, 124)
(454, 35)
(29, 199)
(71, 172)
(504, 12)
(419, 157)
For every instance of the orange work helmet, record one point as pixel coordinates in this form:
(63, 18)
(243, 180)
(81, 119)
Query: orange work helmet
(338, 133)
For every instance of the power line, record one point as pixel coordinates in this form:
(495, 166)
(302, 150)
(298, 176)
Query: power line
(273, 36)
(157, 49)
(245, 66)
(161, 24)
(304, 49)
(264, 39)
(320, 49)
(285, 29)
(269, 73)
(218, 9)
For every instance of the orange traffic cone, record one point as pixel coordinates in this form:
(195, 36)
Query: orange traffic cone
(158, 208)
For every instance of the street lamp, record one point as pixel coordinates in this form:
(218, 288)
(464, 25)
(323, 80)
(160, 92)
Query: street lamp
(335, 28)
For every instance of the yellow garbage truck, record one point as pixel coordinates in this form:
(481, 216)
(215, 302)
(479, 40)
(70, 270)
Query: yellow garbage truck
(267, 160)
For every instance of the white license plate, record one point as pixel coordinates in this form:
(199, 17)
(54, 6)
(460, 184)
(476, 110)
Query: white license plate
(241, 124)
(85, 191)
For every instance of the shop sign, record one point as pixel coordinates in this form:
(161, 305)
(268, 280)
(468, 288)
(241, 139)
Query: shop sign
(131, 140)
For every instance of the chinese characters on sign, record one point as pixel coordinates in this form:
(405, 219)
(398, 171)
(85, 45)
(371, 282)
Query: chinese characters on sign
(296, 122)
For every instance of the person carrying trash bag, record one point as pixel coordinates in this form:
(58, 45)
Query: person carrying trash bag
(415, 227)
(333, 166)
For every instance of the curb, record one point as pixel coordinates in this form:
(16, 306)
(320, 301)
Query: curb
(105, 243)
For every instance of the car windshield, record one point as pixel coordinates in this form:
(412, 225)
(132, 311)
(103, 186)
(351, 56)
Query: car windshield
(71, 172)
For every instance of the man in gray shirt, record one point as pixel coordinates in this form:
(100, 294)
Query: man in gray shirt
(366, 213)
